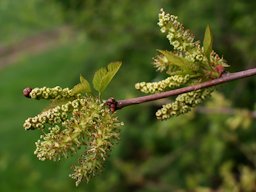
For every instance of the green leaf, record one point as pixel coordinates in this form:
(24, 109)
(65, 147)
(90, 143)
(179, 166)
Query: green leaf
(182, 63)
(208, 40)
(85, 84)
(103, 76)
(82, 87)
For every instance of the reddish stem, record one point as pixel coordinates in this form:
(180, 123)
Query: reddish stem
(223, 79)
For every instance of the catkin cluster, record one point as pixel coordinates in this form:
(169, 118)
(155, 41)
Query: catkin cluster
(51, 93)
(183, 104)
(84, 122)
(101, 137)
(187, 64)
(184, 46)
(181, 40)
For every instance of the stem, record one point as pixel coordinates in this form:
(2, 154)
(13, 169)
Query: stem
(223, 79)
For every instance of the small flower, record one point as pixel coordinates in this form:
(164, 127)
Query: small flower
(45, 95)
(39, 126)
(33, 94)
(27, 125)
(57, 120)
(75, 104)
(64, 116)
(58, 88)
(65, 108)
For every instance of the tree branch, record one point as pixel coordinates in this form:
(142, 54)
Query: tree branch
(223, 79)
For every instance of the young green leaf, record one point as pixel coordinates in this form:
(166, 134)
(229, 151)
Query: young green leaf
(103, 76)
(182, 63)
(82, 87)
(208, 40)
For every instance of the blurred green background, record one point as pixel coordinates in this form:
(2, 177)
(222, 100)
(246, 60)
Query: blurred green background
(50, 42)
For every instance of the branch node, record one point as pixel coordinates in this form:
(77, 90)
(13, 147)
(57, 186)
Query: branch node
(112, 104)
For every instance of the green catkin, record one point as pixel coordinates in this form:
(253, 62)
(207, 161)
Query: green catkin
(102, 138)
(180, 39)
(84, 122)
(183, 103)
(170, 82)
(52, 93)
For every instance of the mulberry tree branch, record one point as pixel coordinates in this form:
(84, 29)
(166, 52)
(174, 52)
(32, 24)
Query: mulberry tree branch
(119, 104)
